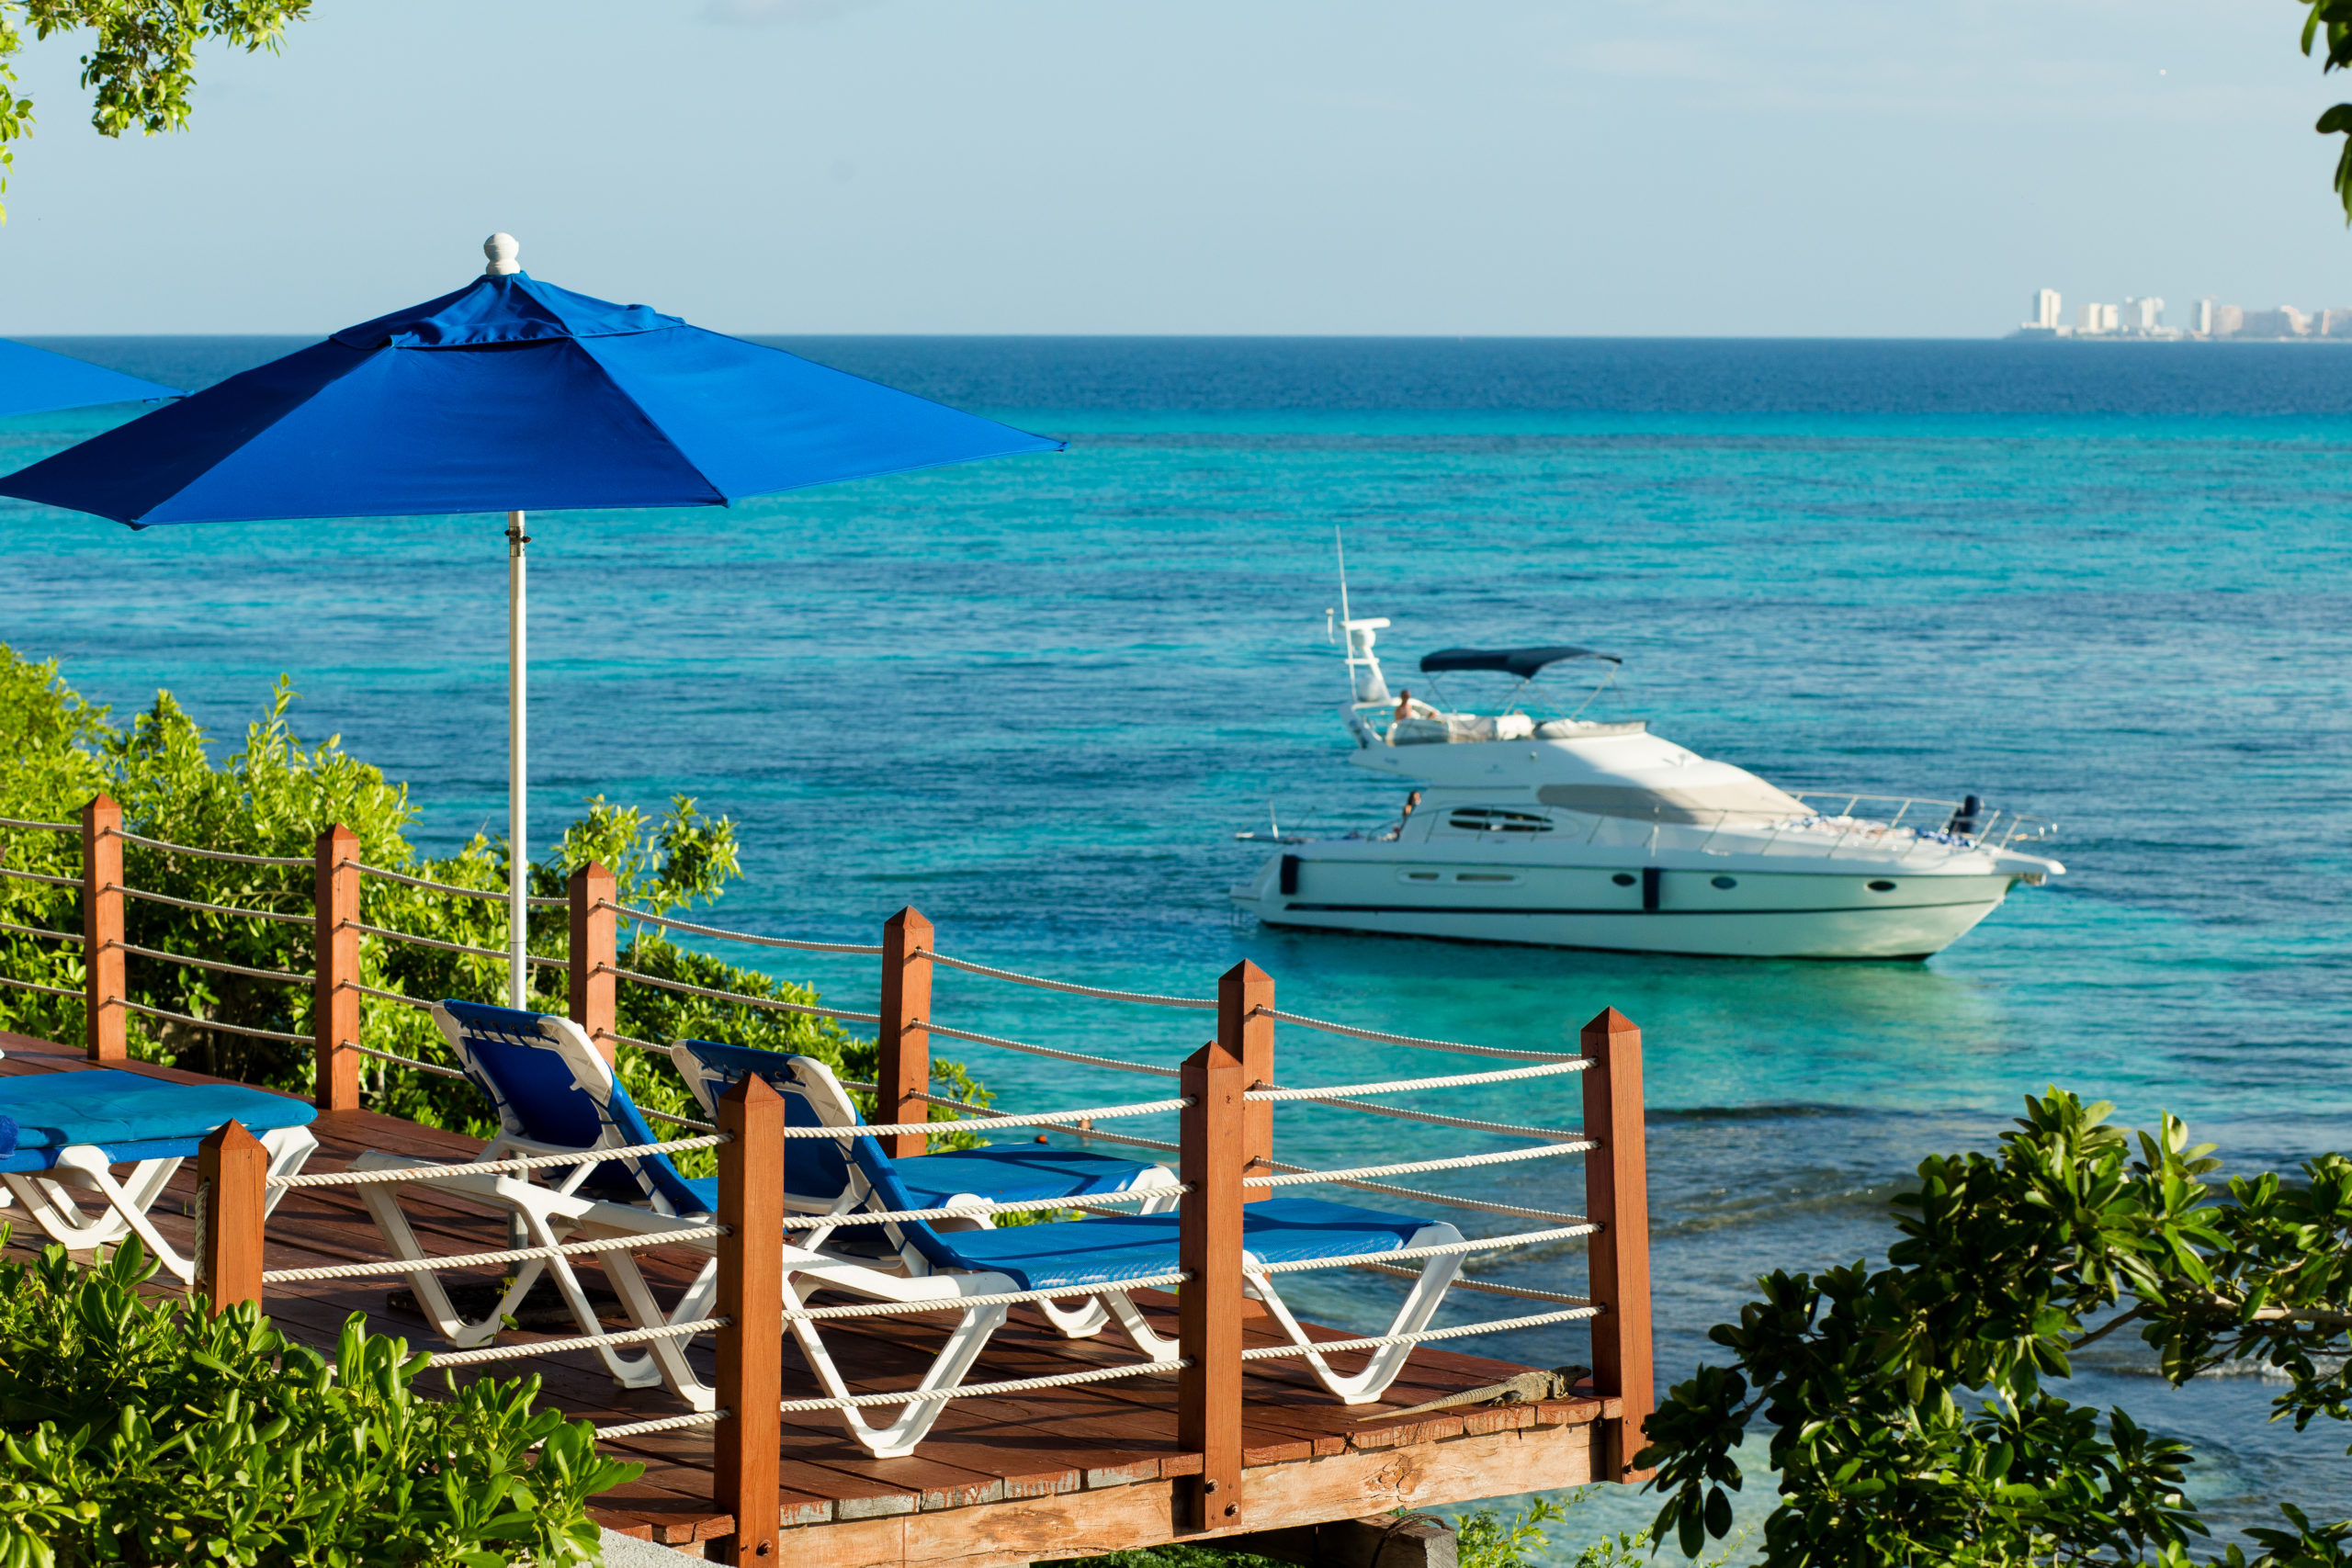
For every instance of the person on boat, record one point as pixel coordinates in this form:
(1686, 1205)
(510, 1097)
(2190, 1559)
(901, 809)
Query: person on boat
(1404, 706)
(1412, 801)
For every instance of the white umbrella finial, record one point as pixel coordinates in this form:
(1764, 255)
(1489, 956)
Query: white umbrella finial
(501, 250)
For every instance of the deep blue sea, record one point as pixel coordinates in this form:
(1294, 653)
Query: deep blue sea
(1036, 698)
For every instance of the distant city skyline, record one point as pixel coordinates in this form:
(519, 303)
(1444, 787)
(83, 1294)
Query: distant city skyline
(2144, 316)
(1322, 166)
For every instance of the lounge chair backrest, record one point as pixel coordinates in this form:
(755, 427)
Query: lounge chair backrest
(814, 1168)
(550, 1086)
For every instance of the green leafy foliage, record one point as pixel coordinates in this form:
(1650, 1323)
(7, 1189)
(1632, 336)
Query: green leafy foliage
(142, 66)
(1909, 1418)
(274, 796)
(2330, 22)
(141, 1431)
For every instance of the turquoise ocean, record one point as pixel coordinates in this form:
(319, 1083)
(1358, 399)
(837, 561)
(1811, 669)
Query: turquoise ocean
(1038, 698)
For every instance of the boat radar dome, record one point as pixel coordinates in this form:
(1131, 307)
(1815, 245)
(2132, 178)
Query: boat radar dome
(501, 250)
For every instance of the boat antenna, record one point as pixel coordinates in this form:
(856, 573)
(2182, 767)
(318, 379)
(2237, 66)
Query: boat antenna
(1340, 545)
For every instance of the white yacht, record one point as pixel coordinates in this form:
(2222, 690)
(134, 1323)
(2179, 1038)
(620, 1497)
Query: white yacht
(1541, 827)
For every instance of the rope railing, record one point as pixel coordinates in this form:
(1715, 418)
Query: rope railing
(985, 1124)
(647, 916)
(1435, 1249)
(1148, 998)
(383, 994)
(40, 876)
(36, 986)
(39, 931)
(578, 1342)
(468, 949)
(1080, 1132)
(213, 1023)
(1465, 1123)
(31, 825)
(498, 896)
(1383, 1035)
(1049, 1051)
(504, 1165)
(665, 1423)
(381, 1265)
(982, 1209)
(221, 964)
(1485, 1287)
(1421, 1336)
(1401, 1086)
(1414, 1167)
(305, 862)
(985, 1390)
(435, 1070)
(771, 1003)
(203, 907)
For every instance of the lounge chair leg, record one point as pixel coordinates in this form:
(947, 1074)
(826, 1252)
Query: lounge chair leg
(290, 1149)
(1084, 1321)
(896, 1440)
(85, 1165)
(383, 1206)
(662, 1361)
(1419, 1306)
(1139, 1327)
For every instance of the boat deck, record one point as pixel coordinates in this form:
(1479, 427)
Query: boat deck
(1061, 1472)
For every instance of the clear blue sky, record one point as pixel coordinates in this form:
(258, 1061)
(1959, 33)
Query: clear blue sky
(1484, 166)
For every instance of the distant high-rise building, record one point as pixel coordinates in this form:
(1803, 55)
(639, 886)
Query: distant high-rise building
(2142, 315)
(2046, 310)
(2336, 322)
(2201, 316)
(2284, 322)
(2228, 320)
(2097, 318)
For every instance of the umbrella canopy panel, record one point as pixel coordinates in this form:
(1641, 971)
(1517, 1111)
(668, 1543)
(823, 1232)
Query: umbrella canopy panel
(508, 394)
(33, 380)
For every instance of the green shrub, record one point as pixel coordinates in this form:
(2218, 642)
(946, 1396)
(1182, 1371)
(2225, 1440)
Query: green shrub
(148, 1432)
(274, 797)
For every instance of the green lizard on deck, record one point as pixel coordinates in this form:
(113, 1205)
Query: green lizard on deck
(1519, 1390)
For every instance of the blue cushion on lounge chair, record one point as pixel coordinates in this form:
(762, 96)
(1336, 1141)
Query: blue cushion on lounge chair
(1131, 1246)
(131, 1116)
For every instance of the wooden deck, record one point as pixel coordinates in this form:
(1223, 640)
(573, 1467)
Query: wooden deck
(1064, 1473)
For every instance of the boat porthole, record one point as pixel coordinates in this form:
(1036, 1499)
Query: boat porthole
(1727, 881)
(1882, 887)
(1623, 879)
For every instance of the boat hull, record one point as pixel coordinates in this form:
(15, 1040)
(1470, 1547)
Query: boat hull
(1777, 914)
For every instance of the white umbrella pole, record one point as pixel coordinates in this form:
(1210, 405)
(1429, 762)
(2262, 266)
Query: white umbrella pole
(518, 772)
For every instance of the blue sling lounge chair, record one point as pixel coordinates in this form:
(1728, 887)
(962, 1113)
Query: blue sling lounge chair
(554, 1093)
(64, 1131)
(1095, 1257)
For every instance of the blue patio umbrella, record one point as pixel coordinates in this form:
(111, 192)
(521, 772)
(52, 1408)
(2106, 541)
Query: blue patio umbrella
(33, 380)
(509, 395)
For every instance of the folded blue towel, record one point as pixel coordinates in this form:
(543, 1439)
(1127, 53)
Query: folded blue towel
(7, 1135)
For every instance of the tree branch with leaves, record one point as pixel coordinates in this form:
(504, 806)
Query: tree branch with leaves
(142, 65)
(1907, 1410)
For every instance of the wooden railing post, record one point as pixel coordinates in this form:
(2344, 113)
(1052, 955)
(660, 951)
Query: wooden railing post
(231, 1191)
(1248, 1038)
(750, 1297)
(334, 1004)
(903, 1074)
(594, 954)
(1209, 1306)
(102, 954)
(1617, 1199)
